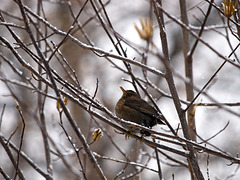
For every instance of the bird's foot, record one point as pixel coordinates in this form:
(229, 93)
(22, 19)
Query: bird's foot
(130, 131)
(142, 137)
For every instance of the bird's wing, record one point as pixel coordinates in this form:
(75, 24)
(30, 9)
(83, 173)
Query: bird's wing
(143, 107)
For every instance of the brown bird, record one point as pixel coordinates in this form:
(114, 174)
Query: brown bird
(131, 107)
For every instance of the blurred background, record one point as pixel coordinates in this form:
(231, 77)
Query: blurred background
(99, 76)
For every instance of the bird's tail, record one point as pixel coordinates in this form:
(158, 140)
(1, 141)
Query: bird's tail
(161, 119)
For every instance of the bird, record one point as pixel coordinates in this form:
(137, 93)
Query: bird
(131, 107)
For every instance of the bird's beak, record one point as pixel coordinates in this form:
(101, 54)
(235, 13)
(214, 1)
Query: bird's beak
(123, 90)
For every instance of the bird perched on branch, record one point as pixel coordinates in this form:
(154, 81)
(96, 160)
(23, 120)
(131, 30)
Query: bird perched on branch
(131, 107)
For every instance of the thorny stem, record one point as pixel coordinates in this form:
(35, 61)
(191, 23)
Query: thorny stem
(188, 70)
(169, 78)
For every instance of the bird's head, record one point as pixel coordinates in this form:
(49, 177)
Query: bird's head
(128, 93)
